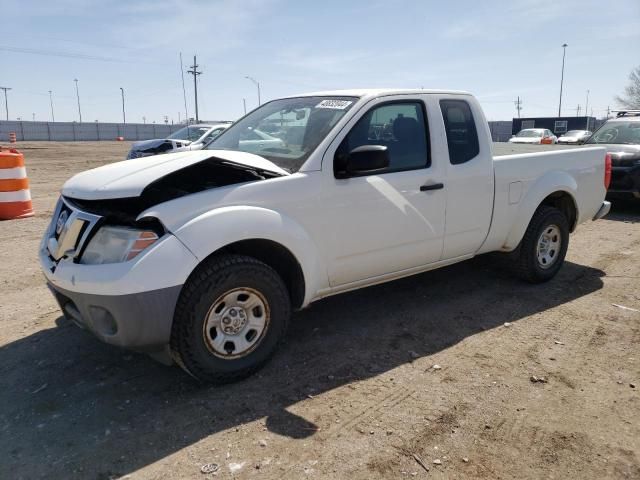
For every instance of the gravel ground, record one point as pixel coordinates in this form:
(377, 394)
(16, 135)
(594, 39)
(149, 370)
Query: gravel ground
(355, 392)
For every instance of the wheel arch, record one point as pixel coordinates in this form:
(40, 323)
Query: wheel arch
(275, 255)
(556, 189)
(263, 234)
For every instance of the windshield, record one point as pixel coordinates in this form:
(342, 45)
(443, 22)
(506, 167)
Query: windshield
(189, 133)
(529, 133)
(285, 131)
(617, 133)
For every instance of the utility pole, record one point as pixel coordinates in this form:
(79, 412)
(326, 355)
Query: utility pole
(608, 111)
(244, 104)
(33, 117)
(144, 119)
(578, 111)
(6, 104)
(586, 105)
(195, 74)
(124, 118)
(78, 97)
(53, 118)
(518, 104)
(564, 51)
(257, 84)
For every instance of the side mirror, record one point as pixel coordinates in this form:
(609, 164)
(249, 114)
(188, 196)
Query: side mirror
(366, 159)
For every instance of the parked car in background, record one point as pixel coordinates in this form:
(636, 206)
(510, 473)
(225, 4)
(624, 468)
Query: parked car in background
(575, 137)
(534, 136)
(191, 137)
(621, 137)
(200, 257)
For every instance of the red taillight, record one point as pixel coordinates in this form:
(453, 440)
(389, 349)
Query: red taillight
(607, 171)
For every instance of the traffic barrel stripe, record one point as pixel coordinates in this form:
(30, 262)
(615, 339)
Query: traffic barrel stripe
(11, 160)
(14, 184)
(9, 173)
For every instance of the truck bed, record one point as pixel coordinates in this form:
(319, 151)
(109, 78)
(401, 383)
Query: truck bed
(521, 178)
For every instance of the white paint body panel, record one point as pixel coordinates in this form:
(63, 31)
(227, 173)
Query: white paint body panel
(350, 233)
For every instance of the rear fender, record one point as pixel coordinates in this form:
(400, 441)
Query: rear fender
(551, 182)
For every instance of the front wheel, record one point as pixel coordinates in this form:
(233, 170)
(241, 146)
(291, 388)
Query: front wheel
(231, 315)
(544, 246)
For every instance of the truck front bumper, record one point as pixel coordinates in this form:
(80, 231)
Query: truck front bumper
(140, 321)
(130, 304)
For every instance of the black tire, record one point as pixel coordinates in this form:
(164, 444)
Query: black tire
(526, 263)
(214, 278)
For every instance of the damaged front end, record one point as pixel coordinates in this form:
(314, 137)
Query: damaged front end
(76, 220)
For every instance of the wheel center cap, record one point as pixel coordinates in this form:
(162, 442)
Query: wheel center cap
(233, 320)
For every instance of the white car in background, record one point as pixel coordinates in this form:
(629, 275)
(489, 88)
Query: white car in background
(575, 137)
(256, 141)
(534, 136)
(191, 137)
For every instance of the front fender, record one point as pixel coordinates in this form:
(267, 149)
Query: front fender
(551, 182)
(220, 227)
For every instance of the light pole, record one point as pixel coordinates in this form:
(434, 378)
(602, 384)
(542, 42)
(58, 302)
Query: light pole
(124, 118)
(257, 84)
(53, 118)
(586, 109)
(78, 97)
(6, 104)
(244, 104)
(564, 51)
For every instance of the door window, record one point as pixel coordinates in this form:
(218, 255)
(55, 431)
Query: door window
(462, 137)
(400, 126)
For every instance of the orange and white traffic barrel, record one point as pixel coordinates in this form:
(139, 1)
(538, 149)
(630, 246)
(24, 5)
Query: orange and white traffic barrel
(15, 197)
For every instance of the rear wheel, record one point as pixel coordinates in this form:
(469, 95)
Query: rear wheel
(231, 315)
(544, 246)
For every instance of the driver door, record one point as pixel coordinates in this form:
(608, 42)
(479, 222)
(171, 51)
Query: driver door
(390, 220)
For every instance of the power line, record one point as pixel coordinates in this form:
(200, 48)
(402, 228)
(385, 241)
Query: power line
(194, 71)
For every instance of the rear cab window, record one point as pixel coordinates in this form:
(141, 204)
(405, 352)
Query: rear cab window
(460, 127)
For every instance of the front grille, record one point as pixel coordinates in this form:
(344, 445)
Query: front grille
(68, 232)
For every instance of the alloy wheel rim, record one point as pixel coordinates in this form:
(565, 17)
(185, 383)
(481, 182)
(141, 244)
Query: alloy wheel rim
(236, 323)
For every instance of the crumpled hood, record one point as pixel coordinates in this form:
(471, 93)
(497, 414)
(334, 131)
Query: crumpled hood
(129, 178)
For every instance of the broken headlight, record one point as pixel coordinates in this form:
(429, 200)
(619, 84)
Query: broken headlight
(117, 244)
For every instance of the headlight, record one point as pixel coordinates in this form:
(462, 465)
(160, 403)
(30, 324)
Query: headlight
(117, 244)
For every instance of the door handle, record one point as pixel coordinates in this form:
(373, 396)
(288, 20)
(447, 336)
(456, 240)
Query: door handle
(433, 186)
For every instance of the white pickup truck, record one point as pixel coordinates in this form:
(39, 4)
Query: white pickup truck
(200, 257)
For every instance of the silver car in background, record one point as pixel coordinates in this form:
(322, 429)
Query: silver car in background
(191, 137)
(575, 137)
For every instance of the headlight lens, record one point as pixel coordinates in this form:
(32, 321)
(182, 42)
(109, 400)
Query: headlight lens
(117, 244)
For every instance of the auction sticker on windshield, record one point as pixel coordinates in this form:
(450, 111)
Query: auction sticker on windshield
(335, 104)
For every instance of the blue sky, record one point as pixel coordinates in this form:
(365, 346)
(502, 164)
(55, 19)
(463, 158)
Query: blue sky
(494, 49)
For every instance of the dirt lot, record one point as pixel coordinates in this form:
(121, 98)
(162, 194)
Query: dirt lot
(353, 393)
